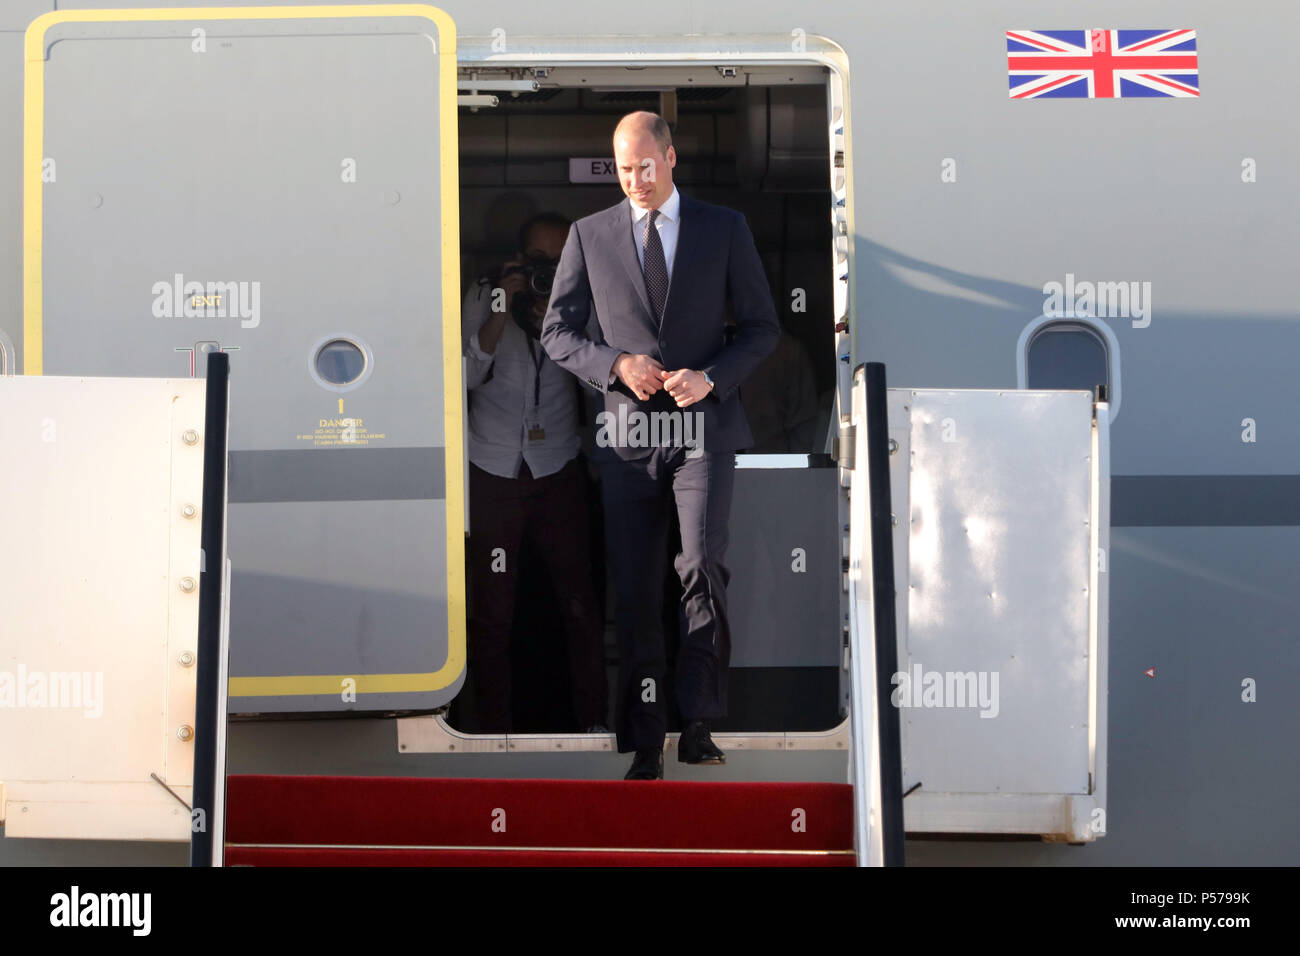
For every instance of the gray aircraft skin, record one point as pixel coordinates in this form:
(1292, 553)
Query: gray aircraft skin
(966, 205)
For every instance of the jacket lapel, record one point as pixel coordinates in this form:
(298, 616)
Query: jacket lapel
(688, 238)
(621, 238)
(687, 242)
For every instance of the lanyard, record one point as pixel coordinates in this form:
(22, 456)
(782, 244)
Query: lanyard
(539, 356)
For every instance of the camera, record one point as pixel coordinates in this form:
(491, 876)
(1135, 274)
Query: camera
(540, 274)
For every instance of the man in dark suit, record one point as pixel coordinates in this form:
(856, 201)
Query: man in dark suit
(657, 272)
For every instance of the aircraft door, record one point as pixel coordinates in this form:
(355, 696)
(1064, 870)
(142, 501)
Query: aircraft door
(279, 184)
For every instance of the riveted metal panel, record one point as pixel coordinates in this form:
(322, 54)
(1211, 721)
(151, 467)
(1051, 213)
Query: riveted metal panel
(999, 544)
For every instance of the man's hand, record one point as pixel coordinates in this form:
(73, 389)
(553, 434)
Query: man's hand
(512, 281)
(642, 374)
(686, 386)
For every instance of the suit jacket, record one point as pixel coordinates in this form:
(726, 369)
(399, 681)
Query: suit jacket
(715, 265)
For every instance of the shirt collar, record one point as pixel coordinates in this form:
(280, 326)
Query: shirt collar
(668, 209)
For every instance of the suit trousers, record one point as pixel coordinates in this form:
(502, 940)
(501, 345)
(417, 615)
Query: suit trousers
(553, 511)
(637, 496)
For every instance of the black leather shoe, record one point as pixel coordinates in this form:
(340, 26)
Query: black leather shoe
(648, 765)
(696, 746)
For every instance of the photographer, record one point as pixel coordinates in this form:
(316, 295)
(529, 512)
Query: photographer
(526, 479)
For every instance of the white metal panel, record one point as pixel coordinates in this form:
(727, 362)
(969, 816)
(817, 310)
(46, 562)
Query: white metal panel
(998, 591)
(1056, 817)
(864, 754)
(99, 574)
(433, 735)
(900, 433)
(1100, 660)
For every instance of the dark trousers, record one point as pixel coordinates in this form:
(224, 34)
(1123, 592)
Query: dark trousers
(552, 511)
(638, 495)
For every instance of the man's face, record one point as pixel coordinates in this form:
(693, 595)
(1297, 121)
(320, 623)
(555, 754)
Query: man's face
(546, 241)
(645, 173)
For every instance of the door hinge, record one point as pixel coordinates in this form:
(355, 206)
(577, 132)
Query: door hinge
(846, 445)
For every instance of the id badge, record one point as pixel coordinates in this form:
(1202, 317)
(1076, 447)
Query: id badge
(536, 432)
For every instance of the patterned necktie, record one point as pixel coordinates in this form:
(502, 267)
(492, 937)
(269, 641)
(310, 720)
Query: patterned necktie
(654, 266)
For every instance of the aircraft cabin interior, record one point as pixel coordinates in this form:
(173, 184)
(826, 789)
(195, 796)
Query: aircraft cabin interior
(758, 144)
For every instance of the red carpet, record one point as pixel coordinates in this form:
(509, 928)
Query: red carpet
(394, 821)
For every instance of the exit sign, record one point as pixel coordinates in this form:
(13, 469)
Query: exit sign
(592, 169)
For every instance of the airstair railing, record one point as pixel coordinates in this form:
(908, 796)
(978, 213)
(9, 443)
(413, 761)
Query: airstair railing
(207, 820)
(876, 749)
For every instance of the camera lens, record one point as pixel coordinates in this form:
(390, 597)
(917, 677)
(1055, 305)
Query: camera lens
(542, 279)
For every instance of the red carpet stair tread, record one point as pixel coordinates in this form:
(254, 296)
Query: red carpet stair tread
(398, 821)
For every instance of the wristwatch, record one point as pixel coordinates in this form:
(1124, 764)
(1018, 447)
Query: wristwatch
(709, 380)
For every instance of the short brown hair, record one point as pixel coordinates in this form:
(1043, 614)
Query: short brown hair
(652, 123)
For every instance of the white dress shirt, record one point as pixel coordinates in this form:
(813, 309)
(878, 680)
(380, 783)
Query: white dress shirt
(667, 222)
(501, 390)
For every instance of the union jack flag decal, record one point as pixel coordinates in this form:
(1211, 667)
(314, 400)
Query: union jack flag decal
(1102, 64)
